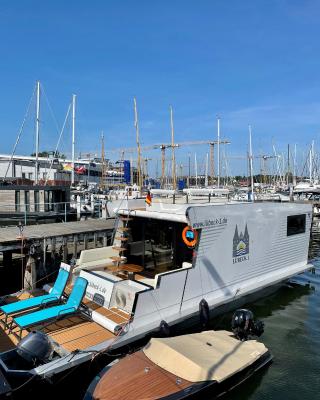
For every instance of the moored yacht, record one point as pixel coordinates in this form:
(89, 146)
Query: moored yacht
(166, 261)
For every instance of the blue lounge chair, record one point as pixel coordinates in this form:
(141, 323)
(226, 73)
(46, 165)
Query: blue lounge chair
(55, 312)
(36, 302)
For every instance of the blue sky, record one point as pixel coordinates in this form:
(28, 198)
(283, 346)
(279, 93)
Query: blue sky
(250, 62)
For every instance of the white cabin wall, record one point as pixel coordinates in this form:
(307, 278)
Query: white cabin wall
(270, 249)
(162, 303)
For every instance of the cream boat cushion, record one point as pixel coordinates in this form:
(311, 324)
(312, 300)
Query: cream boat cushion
(211, 355)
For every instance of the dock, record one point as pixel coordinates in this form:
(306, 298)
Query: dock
(54, 232)
(45, 246)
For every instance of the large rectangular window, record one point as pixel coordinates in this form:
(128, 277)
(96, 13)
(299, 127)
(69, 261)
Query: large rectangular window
(296, 224)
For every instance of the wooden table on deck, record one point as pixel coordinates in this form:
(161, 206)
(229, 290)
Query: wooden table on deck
(130, 269)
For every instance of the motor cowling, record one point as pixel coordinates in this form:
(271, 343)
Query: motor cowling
(243, 325)
(35, 348)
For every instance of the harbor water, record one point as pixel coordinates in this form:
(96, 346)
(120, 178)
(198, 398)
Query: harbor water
(292, 333)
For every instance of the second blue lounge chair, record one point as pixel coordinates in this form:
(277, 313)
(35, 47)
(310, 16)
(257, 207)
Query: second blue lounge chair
(55, 312)
(40, 301)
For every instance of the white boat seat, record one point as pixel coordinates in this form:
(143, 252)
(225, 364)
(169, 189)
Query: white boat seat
(123, 295)
(95, 258)
(154, 282)
(147, 281)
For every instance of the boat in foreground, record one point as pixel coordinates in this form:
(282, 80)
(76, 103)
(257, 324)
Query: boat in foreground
(185, 366)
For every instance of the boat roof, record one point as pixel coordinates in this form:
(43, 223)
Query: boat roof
(180, 212)
(169, 211)
(206, 356)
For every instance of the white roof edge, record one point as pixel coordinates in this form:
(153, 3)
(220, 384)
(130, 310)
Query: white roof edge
(156, 215)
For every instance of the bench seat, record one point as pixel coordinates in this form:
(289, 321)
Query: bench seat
(95, 258)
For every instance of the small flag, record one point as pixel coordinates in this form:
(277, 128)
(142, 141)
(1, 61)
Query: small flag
(80, 170)
(148, 198)
(67, 167)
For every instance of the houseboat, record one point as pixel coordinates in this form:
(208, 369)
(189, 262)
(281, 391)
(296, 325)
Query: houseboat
(166, 262)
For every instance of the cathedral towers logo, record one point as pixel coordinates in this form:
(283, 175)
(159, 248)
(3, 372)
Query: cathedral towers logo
(240, 245)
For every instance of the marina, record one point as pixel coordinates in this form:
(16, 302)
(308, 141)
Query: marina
(120, 294)
(160, 200)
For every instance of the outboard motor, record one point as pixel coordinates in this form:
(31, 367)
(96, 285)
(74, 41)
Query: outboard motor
(243, 325)
(164, 329)
(35, 348)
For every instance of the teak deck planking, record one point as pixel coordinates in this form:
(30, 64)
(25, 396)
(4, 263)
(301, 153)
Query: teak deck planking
(136, 377)
(72, 333)
(75, 333)
(9, 341)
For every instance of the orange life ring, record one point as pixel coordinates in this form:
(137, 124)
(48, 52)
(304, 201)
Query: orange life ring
(189, 236)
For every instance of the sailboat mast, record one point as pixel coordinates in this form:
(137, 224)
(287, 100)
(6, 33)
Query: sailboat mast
(37, 133)
(136, 124)
(174, 179)
(189, 169)
(294, 165)
(288, 164)
(73, 134)
(250, 158)
(196, 168)
(103, 163)
(310, 163)
(206, 174)
(218, 152)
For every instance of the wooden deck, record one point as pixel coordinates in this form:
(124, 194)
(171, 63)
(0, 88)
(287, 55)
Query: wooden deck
(24, 295)
(143, 380)
(115, 314)
(72, 333)
(76, 333)
(9, 341)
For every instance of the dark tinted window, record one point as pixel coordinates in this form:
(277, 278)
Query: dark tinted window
(296, 224)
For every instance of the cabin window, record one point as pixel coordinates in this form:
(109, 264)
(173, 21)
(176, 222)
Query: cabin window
(51, 203)
(46, 200)
(17, 200)
(296, 224)
(36, 201)
(27, 200)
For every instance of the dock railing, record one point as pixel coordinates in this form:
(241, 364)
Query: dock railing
(25, 212)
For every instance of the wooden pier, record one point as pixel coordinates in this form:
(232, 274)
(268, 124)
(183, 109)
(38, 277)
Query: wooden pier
(91, 228)
(46, 245)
